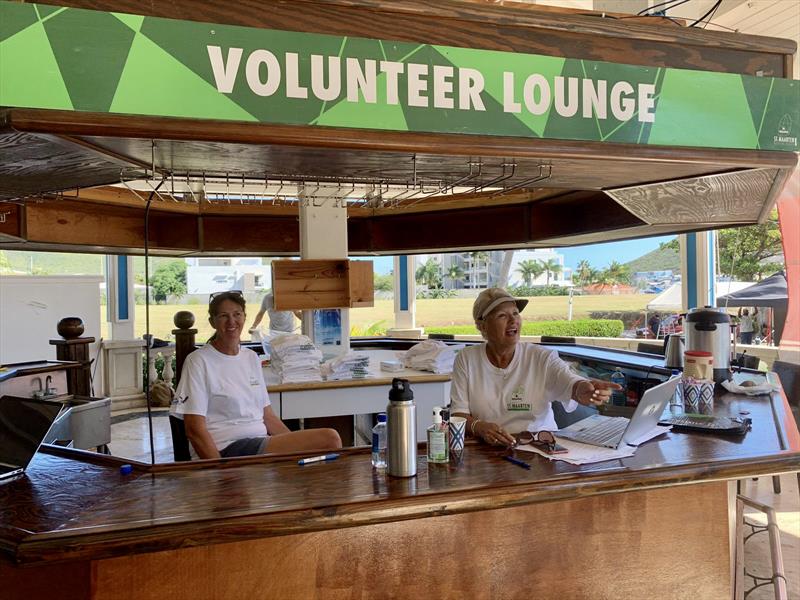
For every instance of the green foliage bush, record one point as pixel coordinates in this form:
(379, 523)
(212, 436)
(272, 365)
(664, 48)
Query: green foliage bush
(159, 363)
(539, 290)
(577, 328)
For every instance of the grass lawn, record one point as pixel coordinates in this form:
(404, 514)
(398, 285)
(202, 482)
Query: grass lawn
(430, 313)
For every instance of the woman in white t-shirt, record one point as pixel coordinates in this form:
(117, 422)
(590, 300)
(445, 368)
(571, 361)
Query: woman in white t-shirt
(506, 386)
(222, 397)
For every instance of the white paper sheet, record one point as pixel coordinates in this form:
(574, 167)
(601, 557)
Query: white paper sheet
(582, 454)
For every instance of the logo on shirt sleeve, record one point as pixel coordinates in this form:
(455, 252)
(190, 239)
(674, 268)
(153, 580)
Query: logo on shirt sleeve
(254, 381)
(516, 402)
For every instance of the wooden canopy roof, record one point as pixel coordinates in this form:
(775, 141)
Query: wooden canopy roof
(60, 171)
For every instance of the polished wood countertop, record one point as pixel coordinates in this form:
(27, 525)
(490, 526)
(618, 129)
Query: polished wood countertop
(74, 505)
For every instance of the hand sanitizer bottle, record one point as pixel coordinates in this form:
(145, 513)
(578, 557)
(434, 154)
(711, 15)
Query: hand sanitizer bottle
(438, 443)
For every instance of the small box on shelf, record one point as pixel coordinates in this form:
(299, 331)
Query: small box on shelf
(314, 284)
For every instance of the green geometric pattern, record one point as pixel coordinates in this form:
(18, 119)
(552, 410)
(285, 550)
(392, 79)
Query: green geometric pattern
(74, 59)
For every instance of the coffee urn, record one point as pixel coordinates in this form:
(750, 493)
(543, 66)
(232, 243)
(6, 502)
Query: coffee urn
(708, 329)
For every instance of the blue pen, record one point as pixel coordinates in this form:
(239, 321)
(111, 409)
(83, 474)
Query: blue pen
(518, 462)
(313, 459)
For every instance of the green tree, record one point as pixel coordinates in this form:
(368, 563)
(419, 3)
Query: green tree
(618, 273)
(383, 283)
(530, 270)
(552, 266)
(583, 273)
(169, 280)
(429, 274)
(455, 273)
(744, 250)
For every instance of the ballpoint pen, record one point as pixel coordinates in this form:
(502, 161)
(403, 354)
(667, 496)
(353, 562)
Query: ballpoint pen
(518, 462)
(313, 459)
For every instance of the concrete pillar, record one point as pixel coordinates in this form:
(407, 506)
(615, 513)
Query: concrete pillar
(698, 268)
(120, 301)
(323, 235)
(405, 299)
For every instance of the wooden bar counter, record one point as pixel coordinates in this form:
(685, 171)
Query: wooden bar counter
(656, 524)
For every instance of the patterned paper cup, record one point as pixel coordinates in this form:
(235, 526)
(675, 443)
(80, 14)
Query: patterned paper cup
(458, 428)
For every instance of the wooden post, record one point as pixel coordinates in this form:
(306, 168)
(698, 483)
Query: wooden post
(79, 381)
(184, 339)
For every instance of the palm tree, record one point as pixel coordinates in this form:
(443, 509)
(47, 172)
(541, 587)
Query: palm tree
(618, 272)
(455, 273)
(428, 274)
(530, 270)
(552, 266)
(583, 273)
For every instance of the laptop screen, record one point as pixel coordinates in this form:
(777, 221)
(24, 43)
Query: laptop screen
(23, 424)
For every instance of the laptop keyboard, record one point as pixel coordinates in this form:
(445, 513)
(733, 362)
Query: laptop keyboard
(605, 433)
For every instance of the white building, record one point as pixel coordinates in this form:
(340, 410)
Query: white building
(208, 275)
(483, 269)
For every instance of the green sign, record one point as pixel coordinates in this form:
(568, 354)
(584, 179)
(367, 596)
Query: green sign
(75, 59)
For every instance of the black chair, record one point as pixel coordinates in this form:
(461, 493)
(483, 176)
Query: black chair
(556, 339)
(180, 443)
(650, 348)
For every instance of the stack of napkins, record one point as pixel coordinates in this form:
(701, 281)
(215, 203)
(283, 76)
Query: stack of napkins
(296, 359)
(353, 365)
(430, 355)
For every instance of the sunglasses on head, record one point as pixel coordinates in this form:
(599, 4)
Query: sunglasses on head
(226, 294)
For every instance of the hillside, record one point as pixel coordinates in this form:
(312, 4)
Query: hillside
(660, 259)
(65, 263)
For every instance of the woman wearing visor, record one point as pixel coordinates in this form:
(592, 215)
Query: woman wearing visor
(505, 386)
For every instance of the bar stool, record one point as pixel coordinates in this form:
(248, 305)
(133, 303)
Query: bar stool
(778, 579)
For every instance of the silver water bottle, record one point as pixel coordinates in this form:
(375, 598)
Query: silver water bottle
(401, 430)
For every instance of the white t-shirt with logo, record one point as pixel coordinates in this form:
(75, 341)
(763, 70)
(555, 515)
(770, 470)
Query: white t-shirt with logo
(518, 397)
(746, 324)
(229, 391)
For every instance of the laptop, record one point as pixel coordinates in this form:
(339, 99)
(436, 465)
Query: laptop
(24, 423)
(612, 432)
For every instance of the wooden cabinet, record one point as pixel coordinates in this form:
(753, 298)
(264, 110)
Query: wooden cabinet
(311, 284)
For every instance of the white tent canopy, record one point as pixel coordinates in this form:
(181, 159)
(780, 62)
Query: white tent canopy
(670, 299)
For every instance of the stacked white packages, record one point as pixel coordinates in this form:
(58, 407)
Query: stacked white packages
(295, 358)
(430, 355)
(353, 365)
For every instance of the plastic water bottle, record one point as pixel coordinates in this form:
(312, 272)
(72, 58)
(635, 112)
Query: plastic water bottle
(618, 397)
(379, 443)
(677, 398)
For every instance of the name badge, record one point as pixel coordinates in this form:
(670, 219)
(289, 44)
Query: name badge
(517, 403)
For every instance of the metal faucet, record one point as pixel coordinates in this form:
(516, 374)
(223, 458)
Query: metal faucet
(48, 389)
(40, 393)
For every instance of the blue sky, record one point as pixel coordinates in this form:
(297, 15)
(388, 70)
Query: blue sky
(598, 255)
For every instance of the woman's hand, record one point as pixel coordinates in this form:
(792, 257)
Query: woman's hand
(593, 392)
(491, 433)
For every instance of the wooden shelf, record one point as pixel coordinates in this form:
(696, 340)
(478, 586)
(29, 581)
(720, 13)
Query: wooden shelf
(312, 284)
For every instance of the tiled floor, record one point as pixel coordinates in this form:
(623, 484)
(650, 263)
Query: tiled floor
(130, 439)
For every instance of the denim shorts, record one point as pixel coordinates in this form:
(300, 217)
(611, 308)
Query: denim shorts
(245, 447)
